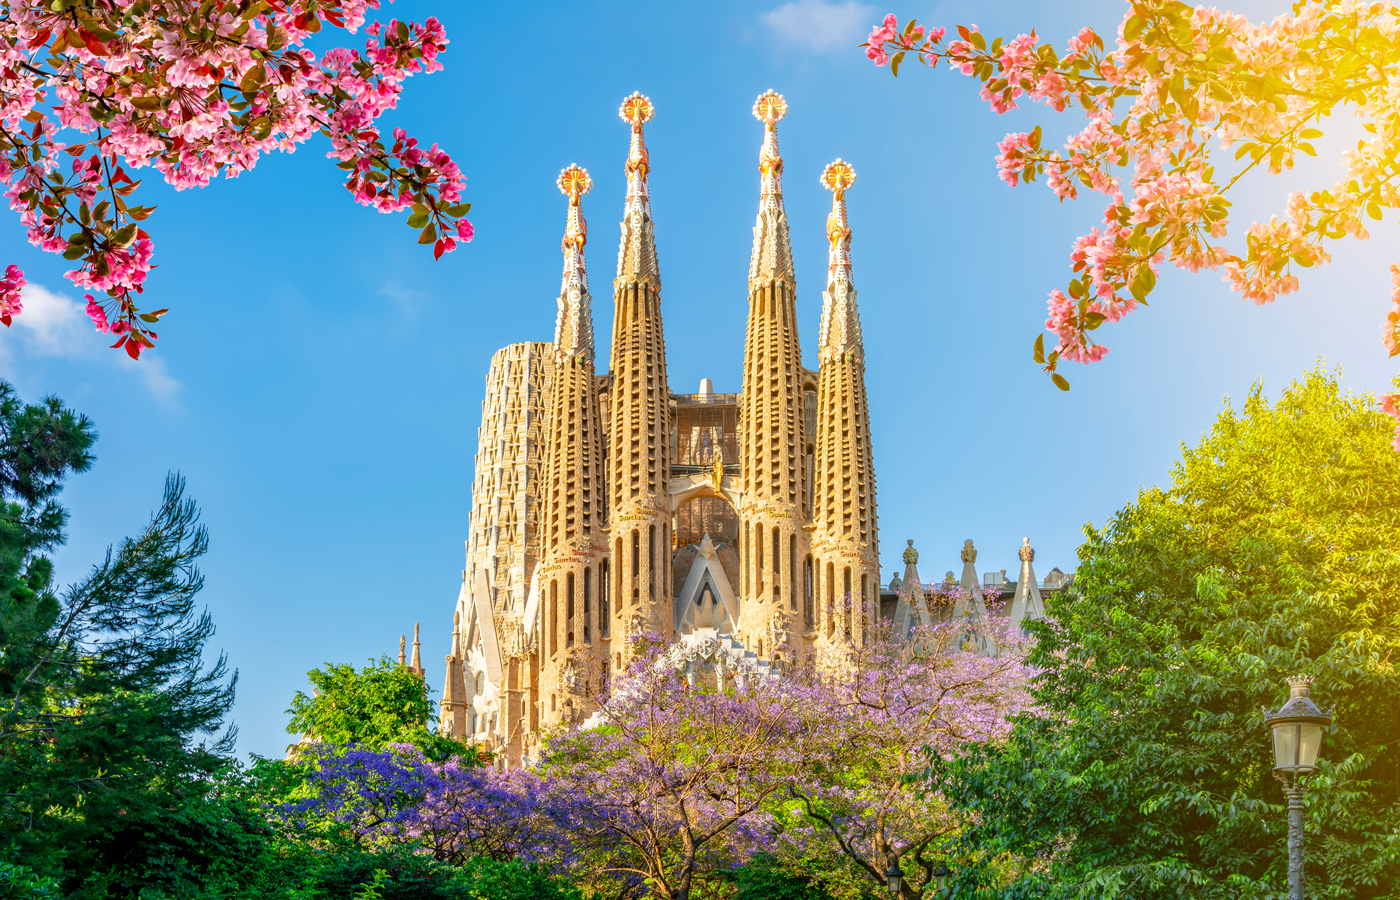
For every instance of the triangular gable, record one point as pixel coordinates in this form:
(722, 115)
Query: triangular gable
(706, 569)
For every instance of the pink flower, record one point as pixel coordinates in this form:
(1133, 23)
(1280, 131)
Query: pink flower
(11, 299)
(886, 31)
(465, 231)
(98, 315)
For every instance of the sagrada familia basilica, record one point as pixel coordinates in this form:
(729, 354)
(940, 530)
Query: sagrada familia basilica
(606, 506)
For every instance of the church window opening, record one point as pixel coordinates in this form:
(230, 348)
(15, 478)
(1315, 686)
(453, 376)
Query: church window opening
(604, 612)
(553, 703)
(587, 606)
(830, 599)
(569, 610)
(553, 617)
(651, 562)
(846, 607)
(777, 563)
(807, 592)
(792, 570)
(758, 550)
(864, 590)
(481, 682)
(700, 516)
(636, 565)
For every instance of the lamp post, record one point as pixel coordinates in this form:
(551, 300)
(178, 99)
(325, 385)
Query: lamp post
(1297, 732)
(894, 877)
(940, 876)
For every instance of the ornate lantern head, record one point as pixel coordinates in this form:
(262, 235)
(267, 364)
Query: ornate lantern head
(1297, 730)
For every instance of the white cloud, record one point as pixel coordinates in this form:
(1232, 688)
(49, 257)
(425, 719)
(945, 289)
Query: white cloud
(53, 325)
(820, 25)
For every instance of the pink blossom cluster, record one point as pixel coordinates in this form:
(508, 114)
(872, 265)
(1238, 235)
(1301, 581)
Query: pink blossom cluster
(1179, 80)
(11, 300)
(1391, 333)
(194, 90)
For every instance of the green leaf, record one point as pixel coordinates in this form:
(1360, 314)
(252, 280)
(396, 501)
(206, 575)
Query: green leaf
(1059, 380)
(1144, 280)
(253, 79)
(1310, 133)
(1093, 320)
(1035, 138)
(894, 63)
(461, 209)
(418, 220)
(428, 235)
(1133, 28)
(1039, 353)
(1373, 210)
(74, 252)
(125, 235)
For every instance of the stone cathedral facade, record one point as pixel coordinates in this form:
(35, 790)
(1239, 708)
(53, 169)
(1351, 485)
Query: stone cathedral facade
(605, 506)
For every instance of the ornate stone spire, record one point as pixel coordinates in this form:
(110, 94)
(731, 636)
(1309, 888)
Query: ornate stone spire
(1026, 602)
(840, 332)
(772, 254)
(401, 646)
(416, 661)
(573, 331)
(636, 256)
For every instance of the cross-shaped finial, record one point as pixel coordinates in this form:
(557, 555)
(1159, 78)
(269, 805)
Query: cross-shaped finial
(574, 181)
(769, 108)
(838, 177)
(636, 109)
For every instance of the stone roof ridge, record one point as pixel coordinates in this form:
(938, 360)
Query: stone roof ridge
(636, 254)
(573, 330)
(771, 259)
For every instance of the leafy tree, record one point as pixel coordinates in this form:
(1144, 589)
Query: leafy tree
(125, 85)
(383, 703)
(104, 693)
(1179, 81)
(1273, 552)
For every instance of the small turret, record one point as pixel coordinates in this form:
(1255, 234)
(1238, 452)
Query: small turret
(415, 664)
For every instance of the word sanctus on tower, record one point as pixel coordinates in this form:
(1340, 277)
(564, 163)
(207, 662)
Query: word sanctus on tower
(606, 506)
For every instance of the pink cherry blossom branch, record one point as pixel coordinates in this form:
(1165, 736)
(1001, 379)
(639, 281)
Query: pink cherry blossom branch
(195, 90)
(1178, 80)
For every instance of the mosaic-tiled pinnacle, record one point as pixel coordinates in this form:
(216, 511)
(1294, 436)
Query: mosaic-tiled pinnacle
(840, 329)
(636, 255)
(772, 253)
(573, 331)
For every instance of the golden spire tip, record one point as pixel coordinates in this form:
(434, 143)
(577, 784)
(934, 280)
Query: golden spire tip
(637, 109)
(838, 177)
(574, 182)
(769, 108)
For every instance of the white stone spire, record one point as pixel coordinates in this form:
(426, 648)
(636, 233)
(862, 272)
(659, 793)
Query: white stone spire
(1026, 603)
(840, 331)
(636, 255)
(573, 331)
(772, 254)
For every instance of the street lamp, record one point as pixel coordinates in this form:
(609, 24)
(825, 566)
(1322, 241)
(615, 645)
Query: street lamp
(940, 875)
(1297, 732)
(894, 877)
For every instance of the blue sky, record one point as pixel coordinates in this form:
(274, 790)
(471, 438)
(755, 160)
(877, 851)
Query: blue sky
(319, 379)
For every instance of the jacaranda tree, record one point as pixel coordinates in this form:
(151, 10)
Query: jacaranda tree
(1180, 83)
(93, 90)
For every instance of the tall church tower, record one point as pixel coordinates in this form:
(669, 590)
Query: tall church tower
(573, 542)
(771, 424)
(844, 542)
(639, 463)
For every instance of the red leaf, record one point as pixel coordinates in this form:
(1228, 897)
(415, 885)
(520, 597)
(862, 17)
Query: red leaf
(39, 39)
(6, 320)
(95, 46)
(437, 250)
(119, 342)
(133, 349)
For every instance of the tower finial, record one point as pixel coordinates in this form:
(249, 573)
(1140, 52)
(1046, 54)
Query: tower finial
(838, 177)
(573, 331)
(772, 257)
(636, 257)
(416, 661)
(401, 645)
(840, 332)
